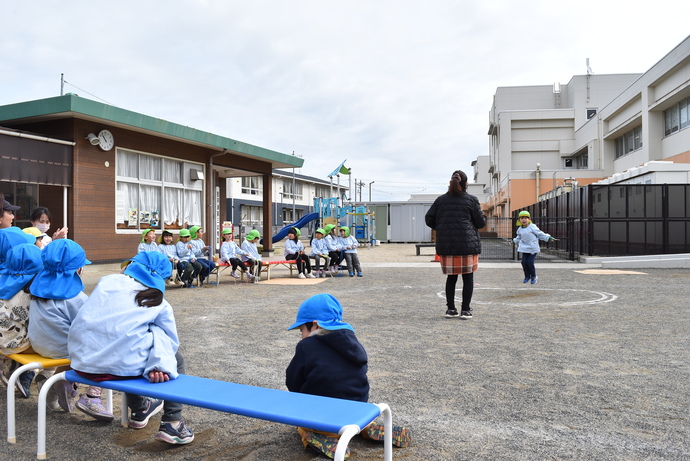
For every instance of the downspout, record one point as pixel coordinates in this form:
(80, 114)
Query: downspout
(210, 191)
(538, 175)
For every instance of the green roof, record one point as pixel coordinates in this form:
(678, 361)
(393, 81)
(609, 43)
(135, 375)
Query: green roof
(71, 104)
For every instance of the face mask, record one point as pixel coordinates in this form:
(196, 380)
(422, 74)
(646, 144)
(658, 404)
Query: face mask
(43, 227)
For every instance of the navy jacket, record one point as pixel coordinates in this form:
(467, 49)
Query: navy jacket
(331, 365)
(457, 220)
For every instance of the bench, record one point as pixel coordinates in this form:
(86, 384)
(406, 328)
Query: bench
(31, 362)
(418, 246)
(265, 268)
(345, 417)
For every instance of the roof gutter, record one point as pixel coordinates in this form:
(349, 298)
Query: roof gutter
(18, 134)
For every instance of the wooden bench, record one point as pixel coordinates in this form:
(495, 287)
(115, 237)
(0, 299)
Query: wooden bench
(31, 362)
(418, 246)
(266, 267)
(345, 417)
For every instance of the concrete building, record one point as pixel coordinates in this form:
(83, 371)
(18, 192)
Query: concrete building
(109, 173)
(542, 138)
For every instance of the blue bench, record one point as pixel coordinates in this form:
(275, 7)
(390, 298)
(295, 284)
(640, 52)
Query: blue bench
(345, 417)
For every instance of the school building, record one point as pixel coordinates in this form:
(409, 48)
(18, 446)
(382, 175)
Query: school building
(611, 129)
(108, 173)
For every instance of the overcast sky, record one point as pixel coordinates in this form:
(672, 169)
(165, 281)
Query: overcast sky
(400, 88)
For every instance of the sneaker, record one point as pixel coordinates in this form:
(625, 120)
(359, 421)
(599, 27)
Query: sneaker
(450, 313)
(323, 444)
(526, 280)
(401, 436)
(234, 274)
(310, 276)
(352, 274)
(24, 383)
(174, 432)
(359, 274)
(51, 399)
(94, 408)
(301, 276)
(534, 280)
(466, 315)
(8, 367)
(66, 395)
(139, 420)
(322, 274)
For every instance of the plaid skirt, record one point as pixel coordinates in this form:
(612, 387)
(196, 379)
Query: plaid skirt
(459, 264)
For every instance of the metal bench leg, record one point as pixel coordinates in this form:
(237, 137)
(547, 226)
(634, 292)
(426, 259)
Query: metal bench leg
(42, 396)
(346, 434)
(387, 431)
(11, 383)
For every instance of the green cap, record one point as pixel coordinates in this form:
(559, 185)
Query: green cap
(226, 231)
(193, 230)
(144, 232)
(321, 231)
(184, 233)
(524, 213)
(253, 234)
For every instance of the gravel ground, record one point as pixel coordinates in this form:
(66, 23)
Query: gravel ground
(582, 365)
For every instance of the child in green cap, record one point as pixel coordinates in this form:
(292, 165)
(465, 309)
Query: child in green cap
(319, 251)
(527, 240)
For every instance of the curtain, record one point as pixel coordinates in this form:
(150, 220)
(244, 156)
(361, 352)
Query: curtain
(172, 205)
(192, 207)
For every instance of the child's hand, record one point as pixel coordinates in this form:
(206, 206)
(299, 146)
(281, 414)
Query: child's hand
(156, 376)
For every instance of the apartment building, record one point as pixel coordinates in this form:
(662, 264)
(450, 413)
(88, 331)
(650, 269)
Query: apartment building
(292, 197)
(610, 128)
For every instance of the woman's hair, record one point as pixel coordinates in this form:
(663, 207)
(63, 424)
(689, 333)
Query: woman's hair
(458, 183)
(149, 297)
(38, 212)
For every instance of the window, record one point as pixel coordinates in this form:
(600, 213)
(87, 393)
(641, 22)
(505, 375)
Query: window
(582, 162)
(151, 193)
(288, 192)
(251, 216)
(591, 113)
(567, 163)
(677, 117)
(629, 142)
(321, 192)
(289, 218)
(252, 185)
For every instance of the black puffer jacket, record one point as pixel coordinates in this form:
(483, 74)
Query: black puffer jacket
(457, 220)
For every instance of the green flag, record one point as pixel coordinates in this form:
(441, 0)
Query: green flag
(344, 170)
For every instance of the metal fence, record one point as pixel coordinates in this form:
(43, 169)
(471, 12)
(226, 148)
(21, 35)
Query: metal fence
(616, 220)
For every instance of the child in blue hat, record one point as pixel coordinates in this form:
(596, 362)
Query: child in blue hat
(57, 295)
(330, 361)
(127, 329)
(22, 264)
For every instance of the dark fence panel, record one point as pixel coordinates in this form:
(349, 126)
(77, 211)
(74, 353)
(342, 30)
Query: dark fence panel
(616, 220)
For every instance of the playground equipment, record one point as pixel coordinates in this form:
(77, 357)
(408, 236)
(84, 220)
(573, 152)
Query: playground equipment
(358, 218)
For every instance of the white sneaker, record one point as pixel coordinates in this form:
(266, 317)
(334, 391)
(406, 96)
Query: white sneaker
(301, 276)
(234, 275)
(310, 276)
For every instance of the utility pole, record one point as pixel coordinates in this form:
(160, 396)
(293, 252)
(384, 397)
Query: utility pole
(372, 182)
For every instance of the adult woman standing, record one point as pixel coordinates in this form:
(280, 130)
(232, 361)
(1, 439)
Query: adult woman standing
(40, 219)
(456, 216)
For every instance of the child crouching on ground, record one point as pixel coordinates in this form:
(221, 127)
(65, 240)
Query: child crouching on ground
(57, 295)
(349, 246)
(330, 361)
(126, 329)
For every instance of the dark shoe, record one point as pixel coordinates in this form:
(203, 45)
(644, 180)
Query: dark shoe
(178, 435)
(466, 315)
(450, 313)
(526, 280)
(139, 419)
(534, 280)
(24, 383)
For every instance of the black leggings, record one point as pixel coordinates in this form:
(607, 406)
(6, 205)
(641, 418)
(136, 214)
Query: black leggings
(467, 289)
(302, 262)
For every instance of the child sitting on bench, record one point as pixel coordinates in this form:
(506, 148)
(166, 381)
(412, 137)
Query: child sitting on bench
(126, 329)
(330, 361)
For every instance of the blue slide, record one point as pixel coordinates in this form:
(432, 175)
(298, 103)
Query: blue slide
(303, 221)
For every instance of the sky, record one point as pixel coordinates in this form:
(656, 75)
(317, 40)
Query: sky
(399, 89)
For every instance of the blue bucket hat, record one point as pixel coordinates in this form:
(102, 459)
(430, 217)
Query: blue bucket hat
(23, 263)
(150, 268)
(325, 309)
(59, 279)
(9, 237)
